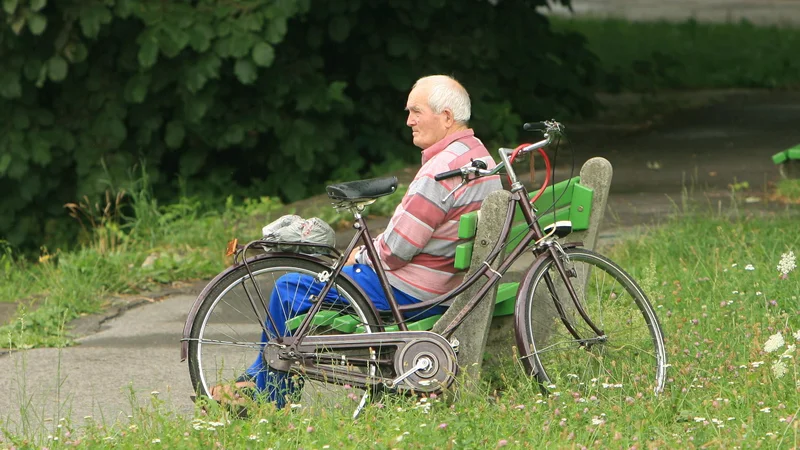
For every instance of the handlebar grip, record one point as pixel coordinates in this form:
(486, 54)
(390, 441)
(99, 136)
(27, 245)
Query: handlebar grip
(446, 175)
(534, 126)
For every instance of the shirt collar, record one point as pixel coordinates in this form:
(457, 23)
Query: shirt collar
(437, 148)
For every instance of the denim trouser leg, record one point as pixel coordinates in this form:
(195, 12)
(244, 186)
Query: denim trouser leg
(290, 298)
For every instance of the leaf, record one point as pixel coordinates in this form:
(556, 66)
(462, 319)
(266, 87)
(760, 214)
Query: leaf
(21, 119)
(245, 71)
(31, 69)
(9, 6)
(92, 18)
(263, 54)
(16, 25)
(37, 5)
(136, 88)
(76, 52)
(339, 28)
(196, 106)
(276, 31)
(5, 160)
(234, 135)
(40, 149)
(123, 8)
(200, 36)
(174, 134)
(171, 41)
(148, 50)
(57, 68)
(37, 23)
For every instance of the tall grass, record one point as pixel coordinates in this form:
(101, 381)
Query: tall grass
(123, 254)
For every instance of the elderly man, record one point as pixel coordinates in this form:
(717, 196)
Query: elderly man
(417, 249)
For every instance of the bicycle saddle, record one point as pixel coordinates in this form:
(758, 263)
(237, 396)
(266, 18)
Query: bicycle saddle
(363, 189)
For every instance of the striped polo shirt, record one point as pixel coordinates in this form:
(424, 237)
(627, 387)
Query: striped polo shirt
(418, 247)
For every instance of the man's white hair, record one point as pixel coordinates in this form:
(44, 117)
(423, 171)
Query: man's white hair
(447, 93)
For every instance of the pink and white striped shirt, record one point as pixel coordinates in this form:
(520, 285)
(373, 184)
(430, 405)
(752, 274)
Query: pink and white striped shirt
(417, 249)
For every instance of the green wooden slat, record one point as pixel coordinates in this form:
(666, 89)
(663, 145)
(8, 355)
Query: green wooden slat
(463, 255)
(467, 225)
(321, 318)
(581, 207)
(780, 157)
(562, 191)
(418, 325)
(518, 231)
(346, 324)
(794, 152)
(506, 299)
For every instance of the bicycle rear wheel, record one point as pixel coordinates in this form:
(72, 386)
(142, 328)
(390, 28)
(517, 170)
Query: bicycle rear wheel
(226, 335)
(565, 353)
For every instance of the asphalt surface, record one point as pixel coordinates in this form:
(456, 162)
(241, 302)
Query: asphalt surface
(129, 355)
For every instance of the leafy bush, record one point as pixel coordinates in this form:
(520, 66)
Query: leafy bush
(249, 98)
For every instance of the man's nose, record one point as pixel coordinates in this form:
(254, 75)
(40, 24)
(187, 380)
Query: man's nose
(410, 121)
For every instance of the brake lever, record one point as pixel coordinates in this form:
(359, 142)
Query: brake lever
(463, 182)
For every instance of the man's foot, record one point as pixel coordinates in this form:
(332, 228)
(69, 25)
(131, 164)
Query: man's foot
(237, 394)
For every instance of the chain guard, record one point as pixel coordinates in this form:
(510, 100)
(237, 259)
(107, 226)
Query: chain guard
(324, 358)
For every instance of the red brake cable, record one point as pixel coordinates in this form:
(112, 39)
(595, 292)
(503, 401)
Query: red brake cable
(546, 164)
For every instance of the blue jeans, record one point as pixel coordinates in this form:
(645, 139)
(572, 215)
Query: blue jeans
(284, 304)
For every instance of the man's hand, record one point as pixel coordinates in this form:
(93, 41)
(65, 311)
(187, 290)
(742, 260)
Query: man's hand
(351, 259)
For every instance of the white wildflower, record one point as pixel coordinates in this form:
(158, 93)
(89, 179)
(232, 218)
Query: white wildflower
(749, 267)
(765, 410)
(253, 437)
(699, 419)
(797, 335)
(597, 421)
(779, 368)
(156, 441)
(774, 342)
(787, 263)
(757, 363)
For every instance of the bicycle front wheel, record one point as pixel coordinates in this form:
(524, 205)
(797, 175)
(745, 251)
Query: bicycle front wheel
(622, 356)
(227, 333)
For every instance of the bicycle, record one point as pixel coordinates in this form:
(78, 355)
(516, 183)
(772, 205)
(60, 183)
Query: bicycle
(581, 322)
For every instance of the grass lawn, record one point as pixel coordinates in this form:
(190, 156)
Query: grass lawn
(644, 56)
(726, 294)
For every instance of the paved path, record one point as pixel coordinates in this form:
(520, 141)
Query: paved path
(139, 349)
(764, 12)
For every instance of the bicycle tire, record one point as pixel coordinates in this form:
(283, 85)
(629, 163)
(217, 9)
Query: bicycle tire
(629, 361)
(225, 336)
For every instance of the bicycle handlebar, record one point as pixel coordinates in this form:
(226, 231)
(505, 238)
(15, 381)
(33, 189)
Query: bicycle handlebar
(551, 129)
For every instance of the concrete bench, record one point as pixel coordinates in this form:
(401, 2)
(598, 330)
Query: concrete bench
(788, 161)
(582, 200)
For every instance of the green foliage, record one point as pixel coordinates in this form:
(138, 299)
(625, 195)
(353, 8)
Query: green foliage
(250, 98)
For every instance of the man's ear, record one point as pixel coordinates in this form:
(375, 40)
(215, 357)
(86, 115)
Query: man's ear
(449, 118)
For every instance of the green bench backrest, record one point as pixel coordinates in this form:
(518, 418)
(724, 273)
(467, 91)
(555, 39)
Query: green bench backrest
(573, 202)
(789, 154)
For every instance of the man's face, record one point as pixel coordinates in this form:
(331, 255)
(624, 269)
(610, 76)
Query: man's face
(427, 127)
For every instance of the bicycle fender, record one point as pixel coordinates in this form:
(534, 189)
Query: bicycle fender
(519, 309)
(187, 327)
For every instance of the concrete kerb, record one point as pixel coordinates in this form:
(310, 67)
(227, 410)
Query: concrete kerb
(596, 174)
(472, 334)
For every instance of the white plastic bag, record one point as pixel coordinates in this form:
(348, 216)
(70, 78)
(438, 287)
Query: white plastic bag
(293, 228)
